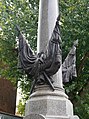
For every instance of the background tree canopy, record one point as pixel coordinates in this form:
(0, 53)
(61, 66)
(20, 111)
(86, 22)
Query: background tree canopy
(74, 25)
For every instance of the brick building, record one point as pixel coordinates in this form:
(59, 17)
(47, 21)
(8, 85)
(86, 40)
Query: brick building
(7, 96)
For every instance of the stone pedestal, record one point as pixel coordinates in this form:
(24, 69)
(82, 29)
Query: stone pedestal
(47, 104)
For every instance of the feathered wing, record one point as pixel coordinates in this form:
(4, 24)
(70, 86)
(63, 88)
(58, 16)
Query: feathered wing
(69, 65)
(26, 56)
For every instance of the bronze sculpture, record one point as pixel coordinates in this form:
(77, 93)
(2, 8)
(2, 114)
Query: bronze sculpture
(42, 66)
(69, 65)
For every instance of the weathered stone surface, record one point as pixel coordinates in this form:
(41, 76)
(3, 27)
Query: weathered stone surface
(74, 117)
(44, 101)
(58, 117)
(62, 117)
(49, 103)
(34, 116)
(48, 13)
(37, 116)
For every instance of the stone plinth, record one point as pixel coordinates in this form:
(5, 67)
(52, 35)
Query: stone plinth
(34, 116)
(45, 103)
(48, 13)
(49, 104)
(63, 117)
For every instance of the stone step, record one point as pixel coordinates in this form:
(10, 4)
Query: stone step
(57, 117)
(62, 117)
(38, 116)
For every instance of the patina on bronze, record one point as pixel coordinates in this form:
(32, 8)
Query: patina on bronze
(43, 65)
(69, 65)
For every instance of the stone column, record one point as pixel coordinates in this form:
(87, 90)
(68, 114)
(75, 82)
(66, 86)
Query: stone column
(45, 103)
(48, 13)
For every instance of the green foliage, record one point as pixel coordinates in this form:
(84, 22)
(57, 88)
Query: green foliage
(21, 108)
(24, 14)
(74, 25)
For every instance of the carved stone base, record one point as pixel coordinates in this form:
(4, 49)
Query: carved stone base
(63, 117)
(49, 104)
(34, 116)
(37, 116)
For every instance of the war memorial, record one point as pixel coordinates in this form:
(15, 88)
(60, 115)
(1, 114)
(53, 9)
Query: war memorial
(47, 96)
